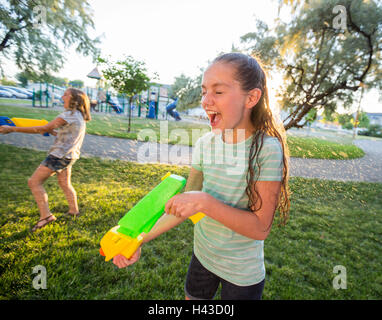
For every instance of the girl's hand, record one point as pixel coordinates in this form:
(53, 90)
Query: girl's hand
(6, 129)
(187, 204)
(53, 132)
(122, 262)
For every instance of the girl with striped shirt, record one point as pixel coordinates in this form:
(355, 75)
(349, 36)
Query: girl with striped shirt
(238, 178)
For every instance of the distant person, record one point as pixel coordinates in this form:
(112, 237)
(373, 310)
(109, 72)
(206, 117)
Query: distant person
(71, 127)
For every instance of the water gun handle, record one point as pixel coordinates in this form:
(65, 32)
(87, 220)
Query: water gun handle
(197, 217)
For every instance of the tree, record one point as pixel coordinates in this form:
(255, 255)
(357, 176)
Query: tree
(76, 83)
(24, 76)
(347, 120)
(188, 90)
(32, 32)
(6, 82)
(128, 77)
(322, 64)
(58, 81)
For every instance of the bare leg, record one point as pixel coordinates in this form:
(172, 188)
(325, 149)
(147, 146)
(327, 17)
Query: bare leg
(35, 183)
(64, 181)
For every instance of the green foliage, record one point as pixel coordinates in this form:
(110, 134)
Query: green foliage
(34, 32)
(128, 76)
(347, 120)
(311, 116)
(331, 223)
(374, 130)
(363, 120)
(6, 82)
(321, 64)
(76, 83)
(188, 90)
(58, 81)
(24, 76)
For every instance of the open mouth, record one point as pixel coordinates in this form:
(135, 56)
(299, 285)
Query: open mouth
(214, 117)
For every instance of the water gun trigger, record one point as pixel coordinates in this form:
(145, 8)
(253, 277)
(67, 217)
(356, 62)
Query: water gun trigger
(197, 217)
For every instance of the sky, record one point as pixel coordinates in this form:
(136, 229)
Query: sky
(174, 36)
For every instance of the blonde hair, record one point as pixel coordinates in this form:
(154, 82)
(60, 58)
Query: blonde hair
(80, 101)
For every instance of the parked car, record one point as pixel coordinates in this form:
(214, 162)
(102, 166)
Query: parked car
(14, 93)
(5, 94)
(22, 91)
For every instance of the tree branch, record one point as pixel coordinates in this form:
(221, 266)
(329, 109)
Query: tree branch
(11, 31)
(369, 43)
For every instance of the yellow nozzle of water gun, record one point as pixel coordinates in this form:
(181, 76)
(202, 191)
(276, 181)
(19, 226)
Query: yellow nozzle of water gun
(114, 243)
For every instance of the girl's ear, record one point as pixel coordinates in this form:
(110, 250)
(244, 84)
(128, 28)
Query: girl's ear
(253, 98)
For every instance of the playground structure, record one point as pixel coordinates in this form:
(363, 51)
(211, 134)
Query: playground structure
(149, 104)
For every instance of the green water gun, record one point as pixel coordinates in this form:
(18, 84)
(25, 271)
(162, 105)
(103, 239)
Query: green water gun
(126, 237)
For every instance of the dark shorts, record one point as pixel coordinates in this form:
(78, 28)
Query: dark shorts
(202, 284)
(57, 164)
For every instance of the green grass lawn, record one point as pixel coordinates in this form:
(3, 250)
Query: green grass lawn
(331, 223)
(304, 147)
(6, 101)
(116, 126)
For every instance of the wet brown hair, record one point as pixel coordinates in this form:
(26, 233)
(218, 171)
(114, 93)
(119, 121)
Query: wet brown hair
(80, 101)
(251, 74)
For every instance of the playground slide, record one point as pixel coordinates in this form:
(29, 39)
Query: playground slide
(115, 105)
(172, 112)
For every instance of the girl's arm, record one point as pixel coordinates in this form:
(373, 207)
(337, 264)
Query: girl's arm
(49, 127)
(255, 225)
(165, 223)
(168, 221)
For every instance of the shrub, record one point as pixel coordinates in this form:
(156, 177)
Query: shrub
(374, 130)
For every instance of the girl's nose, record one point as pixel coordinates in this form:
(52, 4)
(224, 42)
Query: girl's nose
(206, 100)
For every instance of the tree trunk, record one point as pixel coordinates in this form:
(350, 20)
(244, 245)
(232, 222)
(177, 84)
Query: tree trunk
(129, 113)
(357, 115)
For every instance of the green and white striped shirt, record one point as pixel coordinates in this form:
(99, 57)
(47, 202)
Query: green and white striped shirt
(229, 255)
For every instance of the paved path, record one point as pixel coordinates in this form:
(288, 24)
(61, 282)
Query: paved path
(368, 168)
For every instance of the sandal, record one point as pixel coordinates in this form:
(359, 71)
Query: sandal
(76, 214)
(46, 221)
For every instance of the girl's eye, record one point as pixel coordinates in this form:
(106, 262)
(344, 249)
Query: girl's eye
(219, 92)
